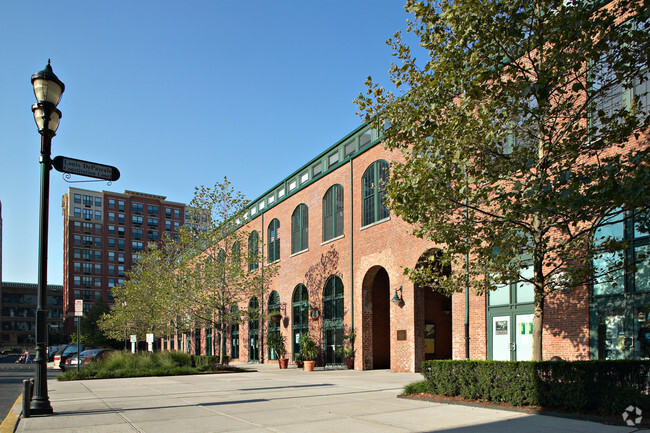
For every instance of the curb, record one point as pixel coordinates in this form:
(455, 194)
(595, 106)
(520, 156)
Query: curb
(10, 423)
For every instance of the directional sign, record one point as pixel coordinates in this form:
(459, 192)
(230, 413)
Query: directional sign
(85, 168)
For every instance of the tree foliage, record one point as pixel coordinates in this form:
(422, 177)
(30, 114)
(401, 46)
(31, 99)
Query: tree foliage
(523, 128)
(152, 299)
(196, 278)
(217, 275)
(89, 329)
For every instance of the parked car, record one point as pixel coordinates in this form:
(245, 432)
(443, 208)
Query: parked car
(57, 356)
(86, 357)
(69, 351)
(51, 351)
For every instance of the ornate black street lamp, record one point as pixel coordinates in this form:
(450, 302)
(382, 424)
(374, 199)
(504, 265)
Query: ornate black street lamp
(48, 90)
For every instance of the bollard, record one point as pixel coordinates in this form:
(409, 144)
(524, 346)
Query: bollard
(28, 388)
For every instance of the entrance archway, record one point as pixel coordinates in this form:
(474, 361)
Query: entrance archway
(433, 315)
(376, 312)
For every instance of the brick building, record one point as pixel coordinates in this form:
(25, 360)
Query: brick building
(342, 257)
(103, 234)
(19, 314)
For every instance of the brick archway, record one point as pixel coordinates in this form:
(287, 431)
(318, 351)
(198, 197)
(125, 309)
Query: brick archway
(376, 319)
(433, 317)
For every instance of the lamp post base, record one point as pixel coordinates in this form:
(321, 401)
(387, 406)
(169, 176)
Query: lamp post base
(40, 408)
(40, 403)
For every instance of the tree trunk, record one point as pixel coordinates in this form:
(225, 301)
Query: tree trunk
(222, 338)
(538, 315)
(538, 321)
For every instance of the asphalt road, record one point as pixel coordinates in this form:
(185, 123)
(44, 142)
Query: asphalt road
(11, 381)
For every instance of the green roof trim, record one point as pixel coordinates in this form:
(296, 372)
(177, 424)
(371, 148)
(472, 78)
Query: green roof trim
(358, 141)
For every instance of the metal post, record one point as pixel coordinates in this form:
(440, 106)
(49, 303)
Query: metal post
(78, 337)
(27, 396)
(467, 337)
(40, 404)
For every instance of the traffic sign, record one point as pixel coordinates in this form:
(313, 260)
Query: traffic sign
(78, 307)
(85, 168)
(134, 339)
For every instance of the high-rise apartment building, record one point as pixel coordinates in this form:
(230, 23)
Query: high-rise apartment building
(104, 232)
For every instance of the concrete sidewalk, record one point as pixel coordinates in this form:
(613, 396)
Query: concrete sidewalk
(274, 400)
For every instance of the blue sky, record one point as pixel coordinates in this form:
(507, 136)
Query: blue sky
(176, 95)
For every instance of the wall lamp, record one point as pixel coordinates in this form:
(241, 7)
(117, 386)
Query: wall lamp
(397, 299)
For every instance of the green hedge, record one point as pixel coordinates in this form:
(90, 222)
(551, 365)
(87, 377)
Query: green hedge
(590, 387)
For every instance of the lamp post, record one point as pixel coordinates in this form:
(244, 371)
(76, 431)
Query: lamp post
(48, 90)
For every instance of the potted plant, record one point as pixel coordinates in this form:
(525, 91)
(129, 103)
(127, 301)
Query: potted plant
(299, 360)
(347, 353)
(277, 342)
(309, 351)
(347, 350)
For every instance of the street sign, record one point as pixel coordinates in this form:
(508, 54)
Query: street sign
(85, 168)
(134, 339)
(150, 342)
(78, 307)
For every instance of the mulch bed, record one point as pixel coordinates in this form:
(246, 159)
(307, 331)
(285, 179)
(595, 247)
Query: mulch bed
(533, 410)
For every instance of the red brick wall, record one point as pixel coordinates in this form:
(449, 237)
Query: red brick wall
(388, 246)
(566, 325)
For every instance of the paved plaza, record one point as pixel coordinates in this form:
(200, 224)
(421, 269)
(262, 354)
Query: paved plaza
(274, 400)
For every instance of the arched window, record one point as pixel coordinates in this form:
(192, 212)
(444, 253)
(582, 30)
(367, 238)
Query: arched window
(208, 341)
(253, 330)
(236, 253)
(274, 241)
(221, 266)
(299, 229)
(333, 328)
(372, 183)
(274, 325)
(300, 315)
(333, 213)
(253, 251)
(234, 333)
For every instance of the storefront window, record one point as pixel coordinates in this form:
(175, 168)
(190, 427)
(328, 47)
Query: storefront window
(621, 291)
(611, 335)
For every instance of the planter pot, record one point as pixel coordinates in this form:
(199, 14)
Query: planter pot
(299, 364)
(283, 363)
(276, 318)
(349, 363)
(309, 365)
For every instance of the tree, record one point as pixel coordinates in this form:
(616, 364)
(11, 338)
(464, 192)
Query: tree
(219, 275)
(523, 133)
(152, 299)
(89, 330)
